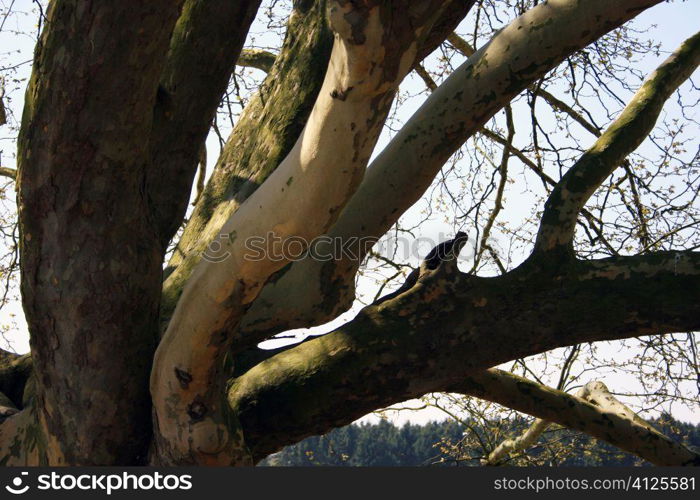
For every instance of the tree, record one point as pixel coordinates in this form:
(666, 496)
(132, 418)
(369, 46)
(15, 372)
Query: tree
(449, 443)
(133, 364)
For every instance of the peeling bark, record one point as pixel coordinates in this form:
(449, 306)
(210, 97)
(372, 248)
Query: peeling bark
(521, 53)
(300, 199)
(92, 253)
(269, 127)
(265, 133)
(23, 441)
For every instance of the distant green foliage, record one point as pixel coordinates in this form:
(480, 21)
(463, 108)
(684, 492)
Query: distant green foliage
(442, 443)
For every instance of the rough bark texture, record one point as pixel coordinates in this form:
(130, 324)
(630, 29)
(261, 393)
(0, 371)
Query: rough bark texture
(91, 259)
(451, 325)
(118, 106)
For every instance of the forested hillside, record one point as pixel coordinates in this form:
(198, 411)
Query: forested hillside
(449, 443)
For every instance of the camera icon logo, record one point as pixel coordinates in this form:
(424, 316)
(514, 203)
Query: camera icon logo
(17, 488)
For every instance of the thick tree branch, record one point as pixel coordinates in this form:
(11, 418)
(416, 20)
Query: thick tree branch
(518, 55)
(622, 137)
(256, 58)
(467, 50)
(449, 326)
(463, 46)
(90, 261)
(264, 134)
(300, 199)
(14, 372)
(593, 410)
(510, 149)
(279, 110)
(205, 44)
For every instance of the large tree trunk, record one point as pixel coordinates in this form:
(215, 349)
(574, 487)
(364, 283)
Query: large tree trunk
(90, 254)
(93, 225)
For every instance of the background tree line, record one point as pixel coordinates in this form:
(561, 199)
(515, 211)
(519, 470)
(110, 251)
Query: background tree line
(450, 443)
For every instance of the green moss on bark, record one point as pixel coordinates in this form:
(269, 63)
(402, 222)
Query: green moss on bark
(264, 135)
